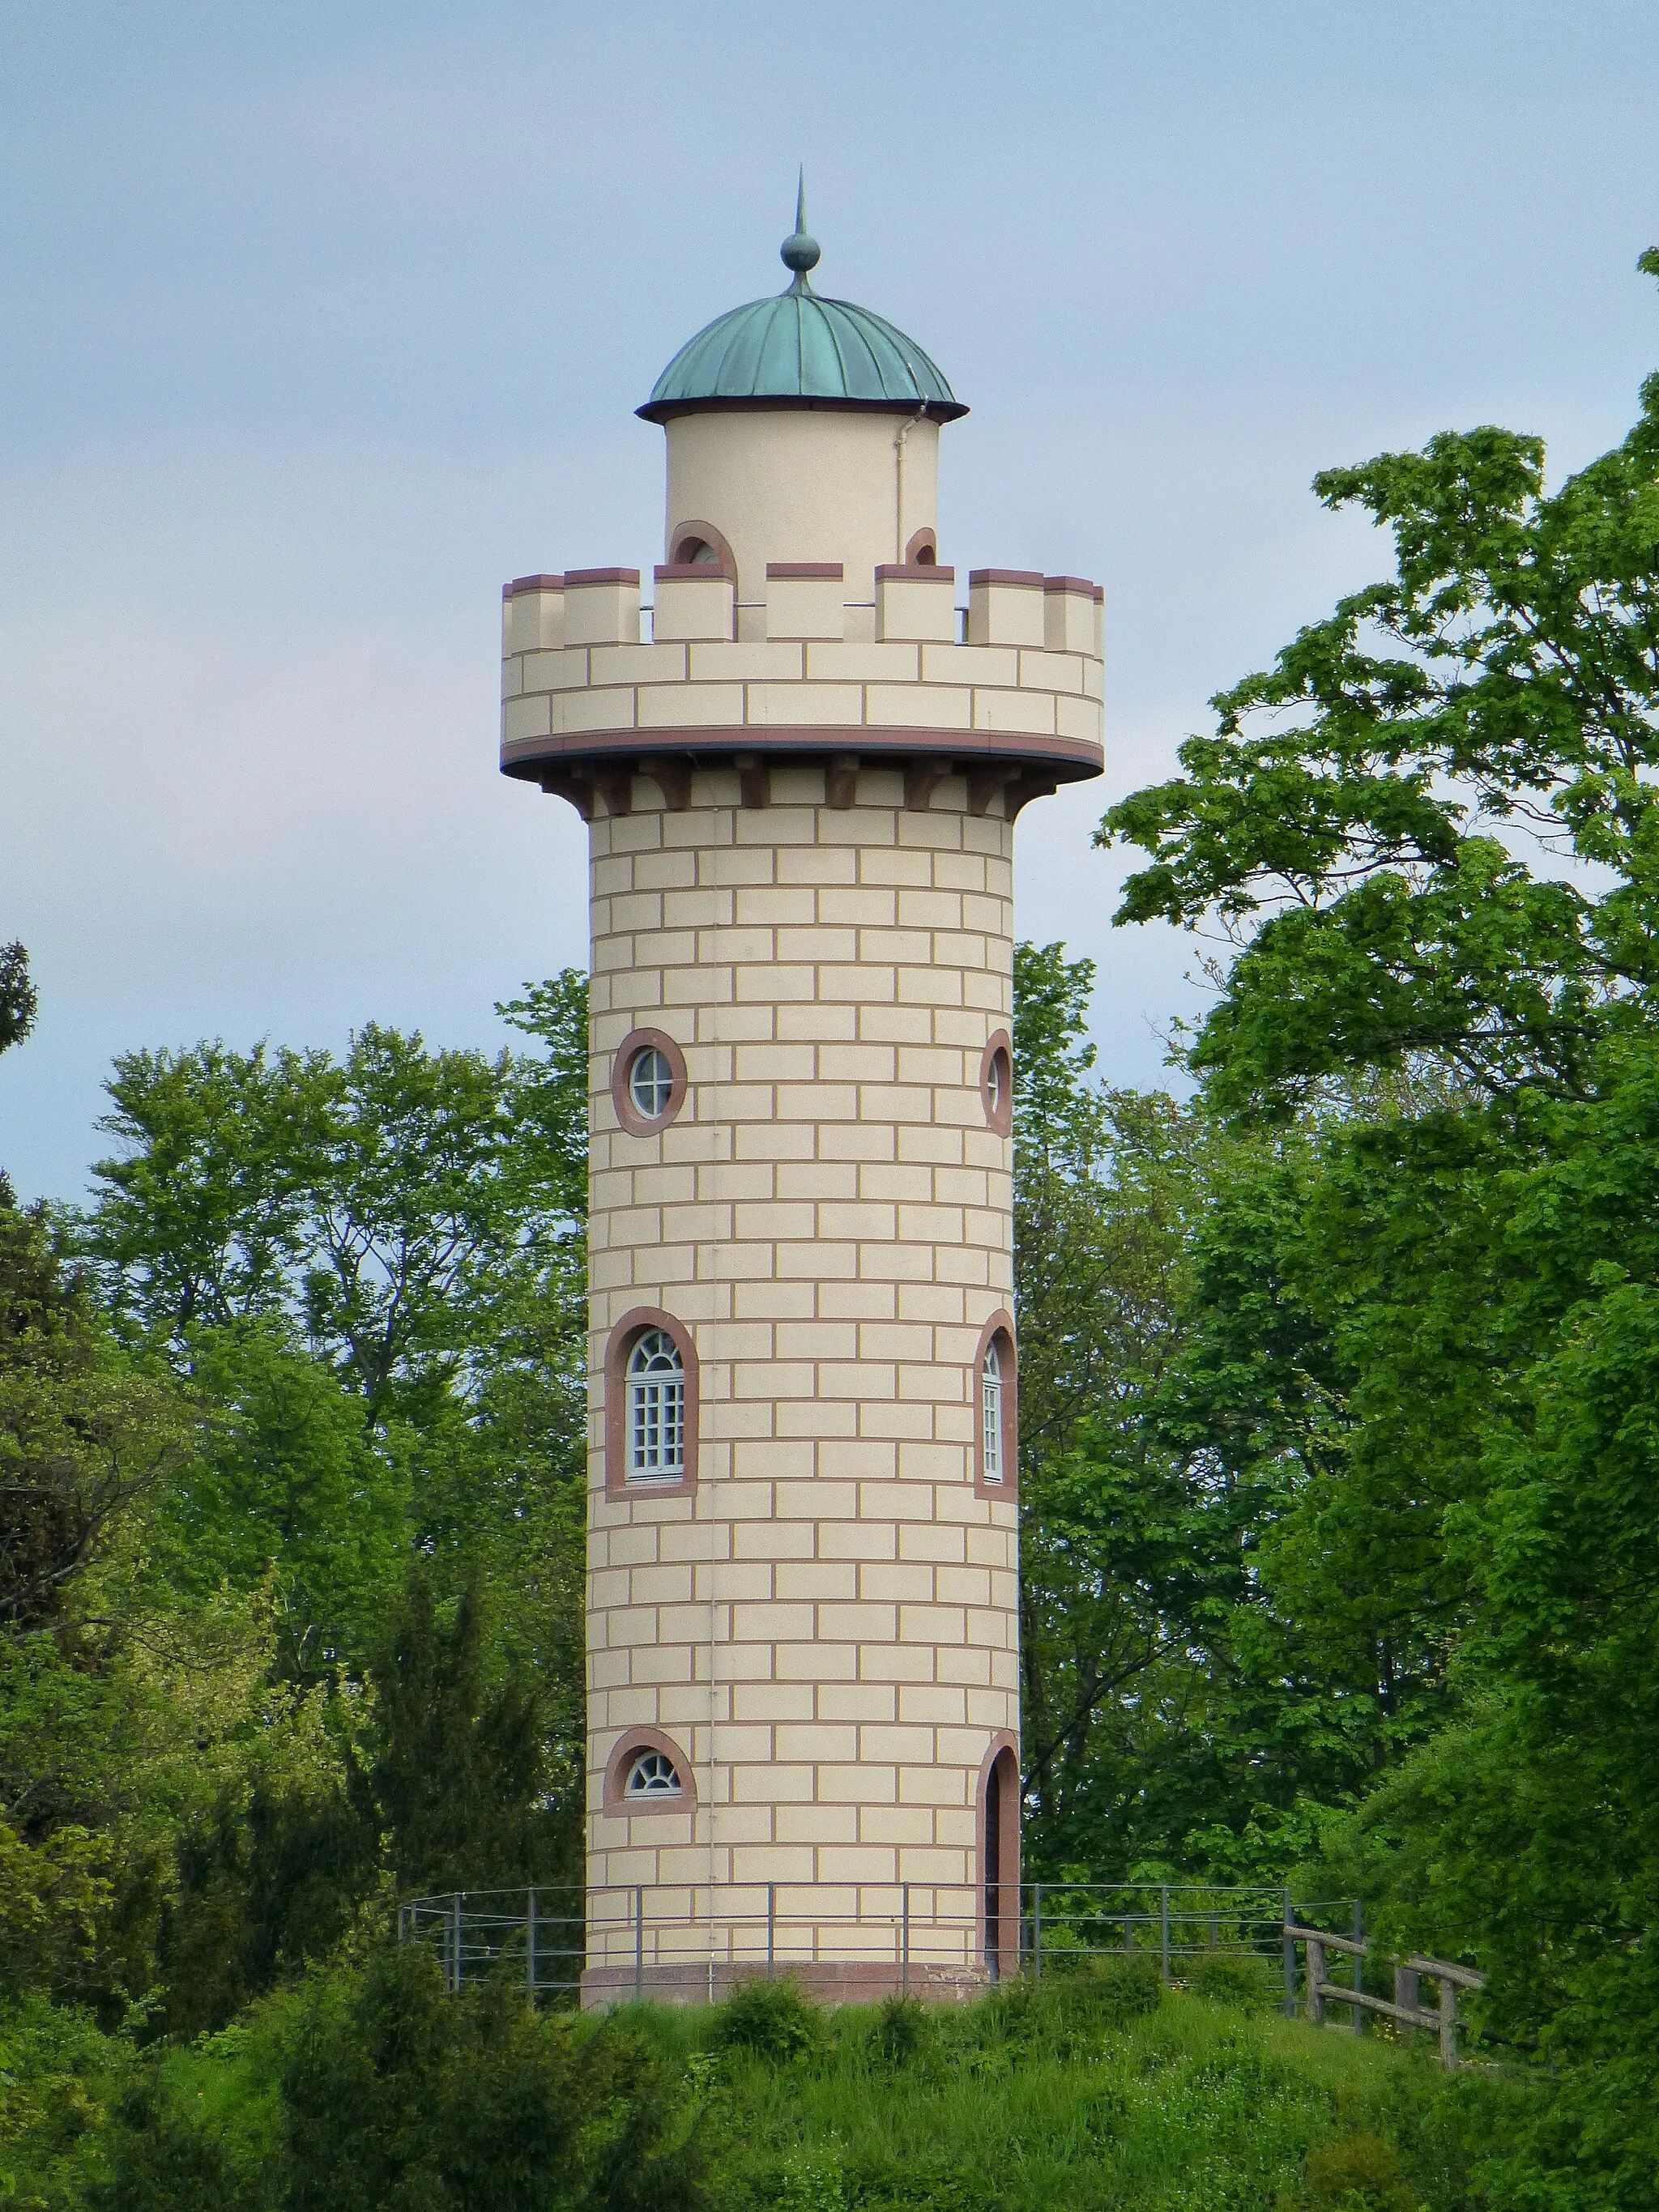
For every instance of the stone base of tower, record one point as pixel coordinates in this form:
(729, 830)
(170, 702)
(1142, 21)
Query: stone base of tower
(830, 1981)
(678, 1946)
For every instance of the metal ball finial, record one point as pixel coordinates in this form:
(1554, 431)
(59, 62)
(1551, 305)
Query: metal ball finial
(799, 250)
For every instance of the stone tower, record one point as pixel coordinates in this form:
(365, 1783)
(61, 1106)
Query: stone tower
(801, 791)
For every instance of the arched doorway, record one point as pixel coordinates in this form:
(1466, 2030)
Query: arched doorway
(1000, 1861)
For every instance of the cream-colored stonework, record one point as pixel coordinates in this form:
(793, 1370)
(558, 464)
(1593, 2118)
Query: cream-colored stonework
(807, 485)
(1032, 664)
(826, 1625)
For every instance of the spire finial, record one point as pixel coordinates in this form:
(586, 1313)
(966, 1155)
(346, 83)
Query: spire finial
(799, 251)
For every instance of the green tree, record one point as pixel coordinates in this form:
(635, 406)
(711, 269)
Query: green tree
(1432, 826)
(84, 1430)
(18, 1002)
(396, 2094)
(1132, 1543)
(456, 1780)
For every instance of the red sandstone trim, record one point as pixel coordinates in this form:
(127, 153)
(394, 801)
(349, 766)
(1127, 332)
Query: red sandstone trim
(690, 572)
(531, 584)
(575, 578)
(1032, 579)
(621, 1341)
(1078, 583)
(622, 1752)
(707, 746)
(999, 1331)
(1002, 1746)
(998, 1115)
(636, 1042)
(806, 571)
(915, 572)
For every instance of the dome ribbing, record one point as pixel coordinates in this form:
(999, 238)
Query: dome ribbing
(801, 349)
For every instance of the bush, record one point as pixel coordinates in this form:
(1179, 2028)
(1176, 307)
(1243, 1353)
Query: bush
(1108, 1989)
(1230, 1978)
(905, 2031)
(772, 2020)
(1357, 2173)
(398, 2094)
(163, 2162)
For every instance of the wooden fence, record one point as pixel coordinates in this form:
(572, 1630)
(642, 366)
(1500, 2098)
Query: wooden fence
(1407, 2009)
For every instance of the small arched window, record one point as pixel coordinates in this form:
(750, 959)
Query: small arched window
(996, 1413)
(648, 1772)
(652, 1774)
(656, 1410)
(696, 553)
(650, 1409)
(990, 1414)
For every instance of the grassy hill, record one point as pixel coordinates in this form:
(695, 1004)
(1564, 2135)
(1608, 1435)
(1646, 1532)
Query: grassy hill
(371, 2091)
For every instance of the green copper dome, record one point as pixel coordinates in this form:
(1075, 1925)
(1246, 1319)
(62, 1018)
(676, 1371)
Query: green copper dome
(801, 349)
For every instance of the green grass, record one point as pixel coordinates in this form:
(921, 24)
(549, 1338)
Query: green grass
(1098, 2090)
(1028, 2101)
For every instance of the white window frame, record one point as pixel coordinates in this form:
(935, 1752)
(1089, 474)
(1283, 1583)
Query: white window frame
(990, 1414)
(652, 1774)
(656, 1409)
(661, 1087)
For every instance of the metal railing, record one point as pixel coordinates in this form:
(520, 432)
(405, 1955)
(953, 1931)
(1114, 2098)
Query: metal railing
(902, 1936)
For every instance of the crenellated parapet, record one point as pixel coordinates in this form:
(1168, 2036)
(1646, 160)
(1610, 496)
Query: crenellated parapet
(1007, 695)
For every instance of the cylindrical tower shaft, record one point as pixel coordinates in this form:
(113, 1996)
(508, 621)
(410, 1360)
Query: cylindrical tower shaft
(823, 1620)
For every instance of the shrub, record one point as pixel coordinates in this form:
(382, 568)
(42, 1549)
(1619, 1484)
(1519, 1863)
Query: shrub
(1108, 1989)
(772, 2020)
(1230, 1978)
(904, 2031)
(398, 2095)
(1357, 2173)
(920, 2184)
(161, 2161)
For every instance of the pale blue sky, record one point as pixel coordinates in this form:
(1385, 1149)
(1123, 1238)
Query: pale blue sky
(321, 320)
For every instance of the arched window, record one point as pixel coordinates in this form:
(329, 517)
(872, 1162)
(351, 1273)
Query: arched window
(996, 1413)
(650, 1406)
(648, 1772)
(652, 1774)
(990, 1414)
(656, 1410)
(694, 543)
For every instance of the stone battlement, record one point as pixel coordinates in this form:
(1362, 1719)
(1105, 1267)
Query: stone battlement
(806, 673)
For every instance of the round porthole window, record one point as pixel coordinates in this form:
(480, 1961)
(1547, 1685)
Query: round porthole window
(651, 1082)
(996, 1084)
(648, 1082)
(652, 1774)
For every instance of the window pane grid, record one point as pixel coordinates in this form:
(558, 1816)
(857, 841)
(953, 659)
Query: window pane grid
(656, 1408)
(990, 1407)
(651, 1775)
(651, 1082)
